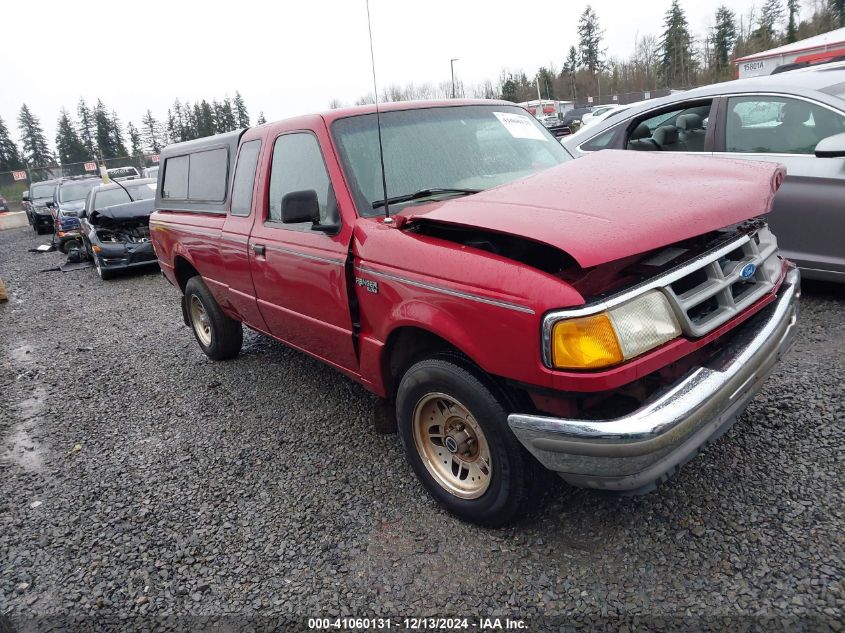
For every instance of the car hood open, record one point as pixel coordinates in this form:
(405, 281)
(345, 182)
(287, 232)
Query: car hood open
(616, 203)
(127, 213)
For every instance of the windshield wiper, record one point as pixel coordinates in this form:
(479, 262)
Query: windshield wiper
(423, 193)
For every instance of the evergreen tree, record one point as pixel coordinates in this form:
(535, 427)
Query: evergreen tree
(677, 63)
(189, 127)
(35, 150)
(770, 15)
(547, 83)
(792, 7)
(134, 140)
(261, 119)
(68, 144)
(87, 129)
(723, 38)
(117, 135)
(10, 157)
(241, 115)
(103, 131)
(509, 91)
(217, 117)
(228, 114)
(172, 128)
(571, 63)
(180, 121)
(205, 119)
(837, 10)
(590, 36)
(570, 66)
(151, 130)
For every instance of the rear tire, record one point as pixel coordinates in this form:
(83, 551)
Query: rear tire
(453, 425)
(220, 337)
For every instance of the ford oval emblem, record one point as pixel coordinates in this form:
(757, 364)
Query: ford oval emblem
(748, 271)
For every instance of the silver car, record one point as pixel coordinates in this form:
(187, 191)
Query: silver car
(795, 118)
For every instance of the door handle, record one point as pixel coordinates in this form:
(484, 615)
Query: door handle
(259, 249)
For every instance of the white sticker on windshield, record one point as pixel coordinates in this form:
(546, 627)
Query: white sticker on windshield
(520, 126)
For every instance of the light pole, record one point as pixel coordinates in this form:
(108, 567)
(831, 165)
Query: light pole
(452, 64)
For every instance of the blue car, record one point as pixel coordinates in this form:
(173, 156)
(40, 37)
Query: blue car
(68, 202)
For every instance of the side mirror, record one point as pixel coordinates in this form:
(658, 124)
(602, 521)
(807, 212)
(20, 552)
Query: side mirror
(25, 196)
(301, 206)
(831, 147)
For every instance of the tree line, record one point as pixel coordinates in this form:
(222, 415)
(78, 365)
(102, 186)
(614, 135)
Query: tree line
(673, 58)
(96, 132)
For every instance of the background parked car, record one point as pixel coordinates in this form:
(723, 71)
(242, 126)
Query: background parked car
(795, 118)
(596, 112)
(574, 116)
(151, 172)
(37, 202)
(69, 200)
(115, 226)
(123, 173)
(4, 206)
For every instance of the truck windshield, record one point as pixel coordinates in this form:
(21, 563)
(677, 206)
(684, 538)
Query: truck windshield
(461, 147)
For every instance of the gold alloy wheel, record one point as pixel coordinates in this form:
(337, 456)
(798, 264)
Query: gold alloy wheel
(200, 321)
(452, 445)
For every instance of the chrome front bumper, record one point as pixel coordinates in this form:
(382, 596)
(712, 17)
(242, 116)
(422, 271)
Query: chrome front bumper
(636, 452)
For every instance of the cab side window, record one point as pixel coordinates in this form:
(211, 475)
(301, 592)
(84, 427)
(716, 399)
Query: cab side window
(245, 178)
(299, 172)
(681, 129)
(778, 125)
(599, 142)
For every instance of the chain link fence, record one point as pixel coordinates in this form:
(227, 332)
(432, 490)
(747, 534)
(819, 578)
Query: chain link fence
(624, 98)
(14, 183)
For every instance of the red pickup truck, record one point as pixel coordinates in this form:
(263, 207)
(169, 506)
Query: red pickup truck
(604, 318)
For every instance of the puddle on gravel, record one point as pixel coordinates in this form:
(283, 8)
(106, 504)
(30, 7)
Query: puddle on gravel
(23, 450)
(32, 406)
(22, 353)
(20, 446)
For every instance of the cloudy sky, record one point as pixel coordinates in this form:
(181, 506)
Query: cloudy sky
(286, 58)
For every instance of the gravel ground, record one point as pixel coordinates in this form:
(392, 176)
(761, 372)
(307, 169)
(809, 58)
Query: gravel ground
(142, 486)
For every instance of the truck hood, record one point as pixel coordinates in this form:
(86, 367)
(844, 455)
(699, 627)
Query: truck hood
(616, 203)
(128, 213)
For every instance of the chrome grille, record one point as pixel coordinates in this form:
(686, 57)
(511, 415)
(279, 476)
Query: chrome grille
(714, 292)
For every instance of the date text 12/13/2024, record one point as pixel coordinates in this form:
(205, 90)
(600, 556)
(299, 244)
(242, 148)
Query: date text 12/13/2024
(417, 624)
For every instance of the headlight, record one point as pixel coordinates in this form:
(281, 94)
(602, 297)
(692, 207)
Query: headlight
(616, 335)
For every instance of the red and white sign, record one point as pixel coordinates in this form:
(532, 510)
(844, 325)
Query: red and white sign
(90, 166)
(19, 175)
(155, 158)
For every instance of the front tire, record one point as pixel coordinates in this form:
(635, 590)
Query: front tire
(453, 426)
(102, 273)
(219, 336)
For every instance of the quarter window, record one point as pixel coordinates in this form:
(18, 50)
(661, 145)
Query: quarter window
(298, 166)
(245, 178)
(599, 142)
(778, 125)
